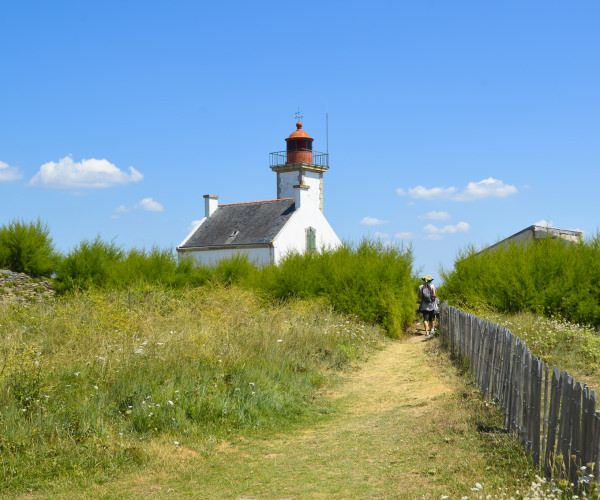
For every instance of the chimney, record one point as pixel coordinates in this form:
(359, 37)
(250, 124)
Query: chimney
(300, 195)
(211, 203)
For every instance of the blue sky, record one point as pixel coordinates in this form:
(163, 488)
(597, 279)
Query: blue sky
(450, 123)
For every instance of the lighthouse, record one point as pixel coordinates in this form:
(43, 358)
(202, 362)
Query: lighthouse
(300, 166)
(266, 231)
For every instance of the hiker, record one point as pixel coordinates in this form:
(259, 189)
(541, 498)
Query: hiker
(427, 307)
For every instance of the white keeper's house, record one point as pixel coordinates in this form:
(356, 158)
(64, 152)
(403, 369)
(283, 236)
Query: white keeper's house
(266, 231)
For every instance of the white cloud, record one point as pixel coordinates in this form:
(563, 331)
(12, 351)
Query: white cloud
(8, 173)
(382, 236)
(92, 173)
(486, 188)
(544, 223)
(149, 205)
(421, 192)
(373, 221)
(404, 235)
(461, 227)
(433, 215)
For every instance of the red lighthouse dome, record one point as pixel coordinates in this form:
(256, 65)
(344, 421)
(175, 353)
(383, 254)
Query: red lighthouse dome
(299, 146)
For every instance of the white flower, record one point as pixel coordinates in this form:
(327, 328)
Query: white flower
(279, 340)
(176, 443)
(170, 402)
(96, 387)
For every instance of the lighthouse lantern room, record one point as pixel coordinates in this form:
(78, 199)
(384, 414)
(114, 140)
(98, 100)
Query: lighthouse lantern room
(299, 165)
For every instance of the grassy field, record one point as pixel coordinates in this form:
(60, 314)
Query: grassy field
(90, 382)
(220, 392)
(407, 424)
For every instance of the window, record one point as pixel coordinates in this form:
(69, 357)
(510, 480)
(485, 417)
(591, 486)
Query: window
(311, 242)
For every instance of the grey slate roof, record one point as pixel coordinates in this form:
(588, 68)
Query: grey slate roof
(258, 223)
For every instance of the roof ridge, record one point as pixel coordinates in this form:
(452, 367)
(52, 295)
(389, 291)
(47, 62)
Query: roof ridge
(248, 202)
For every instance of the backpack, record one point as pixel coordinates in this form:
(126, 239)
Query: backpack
(427, 293)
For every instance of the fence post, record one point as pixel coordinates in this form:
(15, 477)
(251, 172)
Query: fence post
(550, 460)
(536, 409)
(575, 421)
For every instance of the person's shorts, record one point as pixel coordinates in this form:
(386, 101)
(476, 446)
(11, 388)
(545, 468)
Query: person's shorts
(428, 315)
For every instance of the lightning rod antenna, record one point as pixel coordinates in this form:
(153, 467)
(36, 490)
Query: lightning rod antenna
(327, 133)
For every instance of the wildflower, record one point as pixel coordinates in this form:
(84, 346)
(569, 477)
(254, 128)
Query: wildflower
(176, 443)
(77, 374)
(171, 402)
(279, 340)
(96, 387)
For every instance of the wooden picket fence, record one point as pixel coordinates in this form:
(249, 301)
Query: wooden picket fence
(553, 416)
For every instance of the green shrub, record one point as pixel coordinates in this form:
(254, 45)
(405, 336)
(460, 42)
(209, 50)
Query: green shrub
(26, 247)
(91, 263)
(99, 264)
(550, 277)
(371, 281)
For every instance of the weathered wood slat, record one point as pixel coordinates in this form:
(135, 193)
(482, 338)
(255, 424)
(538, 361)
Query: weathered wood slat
(575, 424)
(551, 452)
(585, 437)
(565, 423)
(537, 412)
(545, 417)
(526, 391)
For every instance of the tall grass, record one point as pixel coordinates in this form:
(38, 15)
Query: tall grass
(549, 277)
(369, 280)
(87, 381)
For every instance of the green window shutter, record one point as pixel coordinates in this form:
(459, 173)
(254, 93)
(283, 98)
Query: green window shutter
(311, 245)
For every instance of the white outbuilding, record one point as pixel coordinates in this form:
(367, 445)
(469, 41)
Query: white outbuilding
(266, 231)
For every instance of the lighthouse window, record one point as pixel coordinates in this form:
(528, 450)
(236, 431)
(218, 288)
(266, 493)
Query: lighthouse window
(300, 145)
(311, 243)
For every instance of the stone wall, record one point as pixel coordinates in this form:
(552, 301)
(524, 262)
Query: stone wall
(22, 288)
